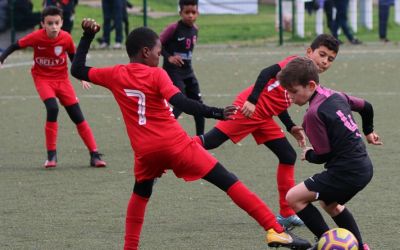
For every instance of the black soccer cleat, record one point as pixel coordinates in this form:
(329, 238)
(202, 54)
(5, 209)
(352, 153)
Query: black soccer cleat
(96, 161)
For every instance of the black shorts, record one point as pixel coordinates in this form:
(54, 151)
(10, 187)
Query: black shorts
(335, 186)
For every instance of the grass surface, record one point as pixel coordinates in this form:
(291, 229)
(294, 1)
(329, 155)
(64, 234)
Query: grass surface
(230, 29)
(78, 207)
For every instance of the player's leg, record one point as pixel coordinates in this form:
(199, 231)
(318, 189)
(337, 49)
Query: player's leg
(178, 82)
(193, 92)
(300, 198)
(135, 213)
(285, 179)
(212, 139)
(255, 207)
(51, 130)
(344, 219)
(85, 132)
(107, 16)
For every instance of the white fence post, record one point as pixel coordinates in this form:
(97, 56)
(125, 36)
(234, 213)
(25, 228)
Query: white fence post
(353, 15)
(300, 18)
(397, 11)
(319, 21)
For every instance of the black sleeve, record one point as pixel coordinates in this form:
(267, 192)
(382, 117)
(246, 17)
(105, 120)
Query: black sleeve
(367, 116)
(165, 53)
(286, 120)
(71, 56)
(192, 107)
(79, 68)
(262, 80)
(13, 47)
(312, 157)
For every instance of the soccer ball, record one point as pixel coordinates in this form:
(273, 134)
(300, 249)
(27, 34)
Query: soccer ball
(338, 239)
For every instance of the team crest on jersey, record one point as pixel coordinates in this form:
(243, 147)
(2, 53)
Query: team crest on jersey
(58, 50)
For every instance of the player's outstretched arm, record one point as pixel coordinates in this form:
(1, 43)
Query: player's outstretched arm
(79, 68)
(192, 107)
(13, 47)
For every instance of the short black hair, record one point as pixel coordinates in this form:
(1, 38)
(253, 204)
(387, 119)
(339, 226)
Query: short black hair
(139, 38)
(299, 71)
(183, 3)
(326, 40)
(52, 11)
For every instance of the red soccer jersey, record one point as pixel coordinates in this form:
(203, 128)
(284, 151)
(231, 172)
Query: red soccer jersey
(50, 55)
(142, 93)
(273, 99)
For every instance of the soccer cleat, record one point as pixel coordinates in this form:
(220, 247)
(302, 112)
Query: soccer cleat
(315, 247)
(286, 239)
(96, 161)
(366, 247)
(51, 161)
(290, 222)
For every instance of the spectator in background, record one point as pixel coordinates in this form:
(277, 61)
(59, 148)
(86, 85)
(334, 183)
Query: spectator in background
(68, 7)
(384, 10)
(24, 17)
(112, 12)
(340, 21)
(328, 9)
(4, 22)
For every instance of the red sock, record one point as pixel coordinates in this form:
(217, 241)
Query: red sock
(285, 181)
(254, 206)
(198, 140)
(50, 130)
(134, 221)
(86, 134)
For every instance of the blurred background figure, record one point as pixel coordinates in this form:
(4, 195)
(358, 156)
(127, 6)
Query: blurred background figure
(340, 21)
(112, 13)
(68, 7)
(328, 9)
(24, 17)
(384, 10)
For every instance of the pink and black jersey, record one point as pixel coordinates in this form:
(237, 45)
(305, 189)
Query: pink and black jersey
(332, 131)
(142, 93)
(179, 39)
(273, 99)
(50, 55)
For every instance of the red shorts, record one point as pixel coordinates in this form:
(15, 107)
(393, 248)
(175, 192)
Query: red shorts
(62, 89)
(191, 163)
(263, 130)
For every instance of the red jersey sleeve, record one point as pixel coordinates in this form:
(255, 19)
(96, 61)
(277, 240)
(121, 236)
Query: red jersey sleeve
(285, 61)
(102, 76)
(71, 46)
(28, 40)
(164, 84)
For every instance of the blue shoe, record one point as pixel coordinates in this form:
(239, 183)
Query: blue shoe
(290, 222)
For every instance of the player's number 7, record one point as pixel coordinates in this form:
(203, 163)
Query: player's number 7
(141, 103)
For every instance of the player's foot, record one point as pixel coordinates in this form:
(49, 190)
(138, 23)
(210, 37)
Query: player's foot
(96, 161)
(286, 239)
(290, 222)
(366, 247)
(51, 161)
(315, 247)
(117, 46)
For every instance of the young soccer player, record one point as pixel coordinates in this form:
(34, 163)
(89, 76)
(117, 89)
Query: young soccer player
(259, 103)
(178, 40)
(50, 74)
(142, 91)
(336, 142)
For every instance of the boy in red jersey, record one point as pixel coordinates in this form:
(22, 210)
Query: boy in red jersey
(50, 74)
(142, 91)
(259, 103)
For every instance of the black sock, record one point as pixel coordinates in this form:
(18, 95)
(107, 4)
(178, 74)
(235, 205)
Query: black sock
(346, 220)
(51, 154)
(200, 123)
(313, 220)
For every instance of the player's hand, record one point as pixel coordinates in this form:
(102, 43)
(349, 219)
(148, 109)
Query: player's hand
(229, 111)
(248, 109)
(305, 150)
(298, 134)
(373, 139)
(86, 85)
(90, 26)
(176, 60)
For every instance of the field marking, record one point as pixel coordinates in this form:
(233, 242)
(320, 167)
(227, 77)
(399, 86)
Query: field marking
(95, 96)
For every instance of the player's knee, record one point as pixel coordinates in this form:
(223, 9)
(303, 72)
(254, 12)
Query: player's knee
(52, 109)
(144, 189)
(288, 156)
(75, 113)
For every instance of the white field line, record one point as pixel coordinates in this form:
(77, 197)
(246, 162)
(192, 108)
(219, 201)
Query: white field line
(25, 97)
